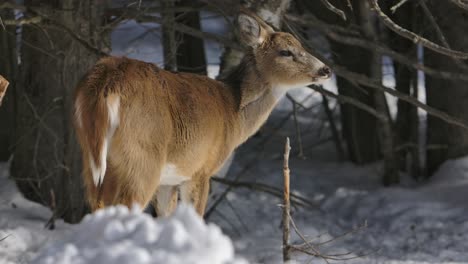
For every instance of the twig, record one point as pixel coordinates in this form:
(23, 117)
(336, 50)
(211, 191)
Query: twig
(287, 203)
(51, 223)
(439, 32)
(1, 23)
(413, 36)
(22, 21)
(397, 5)
(315, 252)
(335, 10)
(431, 18)
(349, 100)
(297, 126)
(3, 238)
(460, 3)
(295, 199)
(333, 128)
(339, 34)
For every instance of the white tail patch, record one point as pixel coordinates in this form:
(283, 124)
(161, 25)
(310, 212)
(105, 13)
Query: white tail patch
(113, 105)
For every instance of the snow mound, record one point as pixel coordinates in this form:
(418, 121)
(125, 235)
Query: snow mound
(118, 235)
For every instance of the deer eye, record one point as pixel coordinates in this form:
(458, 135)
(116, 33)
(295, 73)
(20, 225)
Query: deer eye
(285, 53)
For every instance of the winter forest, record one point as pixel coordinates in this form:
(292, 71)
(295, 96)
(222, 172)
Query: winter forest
(364, 161)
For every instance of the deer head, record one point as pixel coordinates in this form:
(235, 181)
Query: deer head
(279, 57)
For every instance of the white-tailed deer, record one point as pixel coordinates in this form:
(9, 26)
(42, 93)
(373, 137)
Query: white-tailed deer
(147, 133)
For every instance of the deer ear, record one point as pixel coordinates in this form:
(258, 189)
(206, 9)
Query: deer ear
(252, 32)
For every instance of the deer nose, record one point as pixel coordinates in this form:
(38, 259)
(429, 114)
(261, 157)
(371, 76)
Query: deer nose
(324, 72)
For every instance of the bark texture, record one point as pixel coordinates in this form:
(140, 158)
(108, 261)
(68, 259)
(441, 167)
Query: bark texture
(8, 68)
(46, 158)
(407, 121)
(445, 141)
(191, 50)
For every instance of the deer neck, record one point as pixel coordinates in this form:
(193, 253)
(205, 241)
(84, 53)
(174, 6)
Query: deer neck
(255, 97)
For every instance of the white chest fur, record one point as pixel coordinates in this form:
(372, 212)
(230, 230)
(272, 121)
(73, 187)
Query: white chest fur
(170, 175)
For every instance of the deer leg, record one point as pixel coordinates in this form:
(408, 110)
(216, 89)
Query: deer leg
(165, 200)
(196, 192)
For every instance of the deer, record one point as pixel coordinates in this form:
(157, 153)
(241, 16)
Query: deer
(148, 135)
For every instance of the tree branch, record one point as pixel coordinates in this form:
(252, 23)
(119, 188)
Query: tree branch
(413, 36)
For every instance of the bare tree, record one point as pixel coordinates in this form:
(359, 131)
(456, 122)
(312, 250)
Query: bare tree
(54, 55)
(406, 81)
(443, 140)
(8, 68)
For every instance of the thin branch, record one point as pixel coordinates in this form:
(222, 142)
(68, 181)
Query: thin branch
(3, 238)
(431, 18)
(272, 190)
(287, 203)
(460, 3)
(376, 85)
(413, 36)
(336, 33)
(342, 99)
(315, 252)
(334, 130)
(22, 21)
(398, 5)
(335, 10)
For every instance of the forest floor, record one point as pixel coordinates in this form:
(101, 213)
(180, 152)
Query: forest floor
(409, 223)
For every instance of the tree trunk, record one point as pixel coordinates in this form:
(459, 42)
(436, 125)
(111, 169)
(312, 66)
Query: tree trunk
(8, 67)
(385, 127)
(191, 50)
(446, 141)
(407, 121)
(169, 36)
(359, 128)
(47, 157)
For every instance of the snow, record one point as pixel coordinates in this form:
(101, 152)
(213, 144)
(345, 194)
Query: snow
(410, 223)
(113, 235)
(118, 235)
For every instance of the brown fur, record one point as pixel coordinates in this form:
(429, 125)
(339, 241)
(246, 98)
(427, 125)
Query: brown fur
(3, 87)
(187, 120)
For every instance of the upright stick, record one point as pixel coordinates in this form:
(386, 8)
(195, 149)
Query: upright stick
(287, 205)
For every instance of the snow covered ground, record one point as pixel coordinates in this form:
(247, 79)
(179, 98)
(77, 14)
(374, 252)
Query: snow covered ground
(114, 235)
(409, 224)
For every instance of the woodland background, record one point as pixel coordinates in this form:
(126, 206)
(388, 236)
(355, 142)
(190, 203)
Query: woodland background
(412, 124)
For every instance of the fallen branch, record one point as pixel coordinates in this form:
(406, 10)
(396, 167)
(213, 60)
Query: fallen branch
(3, 238)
